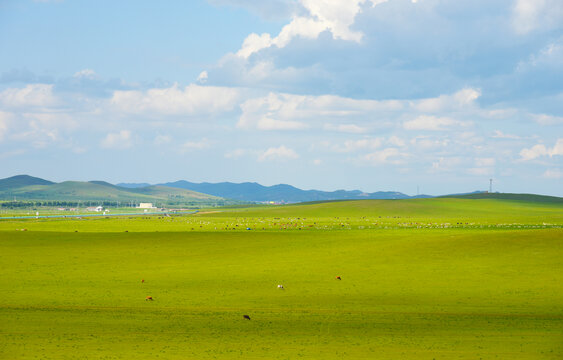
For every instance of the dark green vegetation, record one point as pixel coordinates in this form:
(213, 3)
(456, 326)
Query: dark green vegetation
(30, 192)
(421, 279)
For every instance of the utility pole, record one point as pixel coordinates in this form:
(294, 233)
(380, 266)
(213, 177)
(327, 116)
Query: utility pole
(490, 185)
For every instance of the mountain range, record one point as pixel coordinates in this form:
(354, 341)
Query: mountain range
(29, 188)
(185, 193)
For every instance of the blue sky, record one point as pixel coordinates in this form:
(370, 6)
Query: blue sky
(324, 94)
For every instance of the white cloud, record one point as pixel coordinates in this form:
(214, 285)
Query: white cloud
(425, 142)
(557, 149)
(385, 156)
(284, 111)
(236, 153)
(540, 150)
(396, 141)
(162, 140)
(345, 128)
(433, 123)
(553, 174)
(356, 145)
(533, 152)
(202, 78)
(119, 140)
(5, 119)
(335, 16)
(196, 145)
(485, 162)
(85, 74)
(39, 95)
(281, 153)
(463, 98)
(544, 119)
(445, 164)
(530, 15)
(192, 100)
(480, 171)
(500, 135)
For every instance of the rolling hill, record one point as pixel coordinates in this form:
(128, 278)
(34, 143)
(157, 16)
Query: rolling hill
(27, 188)
(509, 196)
(251, 191)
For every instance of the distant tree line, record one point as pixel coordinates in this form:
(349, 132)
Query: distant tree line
(66, 204)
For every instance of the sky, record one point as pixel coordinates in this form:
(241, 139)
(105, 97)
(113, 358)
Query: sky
(429, 96)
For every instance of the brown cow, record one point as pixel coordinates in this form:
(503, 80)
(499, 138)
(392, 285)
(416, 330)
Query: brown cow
(149, 298)
(338, 278)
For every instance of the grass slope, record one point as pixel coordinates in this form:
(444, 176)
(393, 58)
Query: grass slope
(405, 293)
(20, 181)
(509, 196)
(102, 191)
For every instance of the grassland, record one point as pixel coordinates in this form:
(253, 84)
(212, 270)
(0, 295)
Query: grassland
(421, 279)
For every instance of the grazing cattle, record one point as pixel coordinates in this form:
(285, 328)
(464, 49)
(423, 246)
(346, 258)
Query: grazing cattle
(246, 317)
(338, 278)
(143, 280)
(280, 287)
(149, 298)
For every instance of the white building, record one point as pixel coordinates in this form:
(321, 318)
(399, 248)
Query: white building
(146, 206)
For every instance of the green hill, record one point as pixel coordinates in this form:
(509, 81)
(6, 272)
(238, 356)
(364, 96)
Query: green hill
(509, 196)
(26, 188)
(20, 181)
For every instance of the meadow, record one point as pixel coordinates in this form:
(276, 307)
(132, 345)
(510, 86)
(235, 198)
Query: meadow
(421, 279)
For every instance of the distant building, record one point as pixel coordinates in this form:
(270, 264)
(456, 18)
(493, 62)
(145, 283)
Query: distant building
(95, 208)
(146, 206)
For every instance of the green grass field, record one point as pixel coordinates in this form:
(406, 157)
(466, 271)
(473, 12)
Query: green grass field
(421, 279)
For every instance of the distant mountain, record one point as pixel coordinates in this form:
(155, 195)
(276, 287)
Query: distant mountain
(27, 188)
(509, 196)
(133, 185)
(279, 193)
(19, 181)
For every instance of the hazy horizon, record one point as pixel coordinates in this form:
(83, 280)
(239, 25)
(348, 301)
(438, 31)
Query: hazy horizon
(371, 95)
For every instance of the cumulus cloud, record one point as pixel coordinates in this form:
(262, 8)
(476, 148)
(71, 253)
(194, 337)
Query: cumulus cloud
(540, 150)
(433, 123)
(287, 111)
(336, 17)
(119, 140)
(191, 100)
(38, 95)
(280, 153)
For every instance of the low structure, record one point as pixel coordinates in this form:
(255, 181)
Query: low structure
(146, 206)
